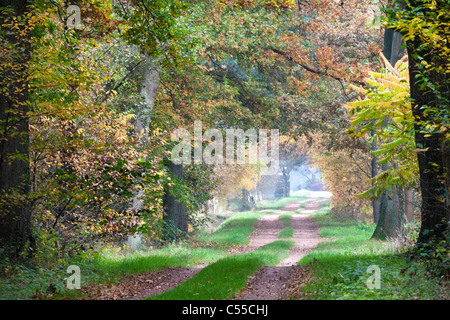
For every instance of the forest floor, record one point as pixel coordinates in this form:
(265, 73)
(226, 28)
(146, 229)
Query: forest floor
(268, 283)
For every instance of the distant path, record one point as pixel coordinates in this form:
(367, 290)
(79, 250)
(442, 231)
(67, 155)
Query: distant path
(282, 281)
(306, 234)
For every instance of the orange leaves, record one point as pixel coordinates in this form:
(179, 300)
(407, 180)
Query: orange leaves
(346, 173)
(299, 87)
(274, 5)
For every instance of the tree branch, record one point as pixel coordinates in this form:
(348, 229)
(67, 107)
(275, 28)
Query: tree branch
(318, 72)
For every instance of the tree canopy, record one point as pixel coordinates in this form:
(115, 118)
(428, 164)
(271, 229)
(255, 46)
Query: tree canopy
(90, 98)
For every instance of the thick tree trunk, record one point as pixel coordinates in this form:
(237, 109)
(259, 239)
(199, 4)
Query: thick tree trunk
(150, 82)
(148, 74)
(15, 214)
(434, 156)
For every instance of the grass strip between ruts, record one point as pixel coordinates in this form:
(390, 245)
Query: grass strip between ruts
(226, 277)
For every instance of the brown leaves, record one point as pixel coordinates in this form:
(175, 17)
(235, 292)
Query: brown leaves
(345, 172)
(274, 5)
(140, 286)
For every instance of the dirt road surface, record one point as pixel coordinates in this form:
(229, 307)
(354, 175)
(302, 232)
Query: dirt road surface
(268, 283)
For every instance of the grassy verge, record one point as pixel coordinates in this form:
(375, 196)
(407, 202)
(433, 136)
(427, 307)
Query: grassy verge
(201, 248)
(340, 267)
(224, 278)
(235, 230)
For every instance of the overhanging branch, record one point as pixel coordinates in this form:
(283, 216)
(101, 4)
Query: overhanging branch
(309, 69)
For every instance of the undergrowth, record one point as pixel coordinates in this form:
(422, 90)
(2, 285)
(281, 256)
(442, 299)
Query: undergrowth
(110, 264)
(346, 267)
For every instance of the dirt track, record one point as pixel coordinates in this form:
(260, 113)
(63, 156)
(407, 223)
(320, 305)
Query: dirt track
(282, 281)
(268, 283)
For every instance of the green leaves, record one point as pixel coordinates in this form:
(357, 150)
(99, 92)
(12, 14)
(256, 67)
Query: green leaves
(157, 28)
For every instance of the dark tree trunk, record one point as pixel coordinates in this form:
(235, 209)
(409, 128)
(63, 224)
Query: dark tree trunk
(434, 157)
(173, 209)
(15, 214)
(374, 173)
(286, 181)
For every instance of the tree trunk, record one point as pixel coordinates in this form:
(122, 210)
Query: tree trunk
(434, 155)
(391, 217)
(148, 74)
(175, 212)
(245, 204)
(409, 205)
(286, 181)
(374, 173)
(15, 214)
(150, 82)
(391, 208)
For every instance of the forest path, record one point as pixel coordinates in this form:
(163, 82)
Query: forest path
(282, 281)
(268, 283)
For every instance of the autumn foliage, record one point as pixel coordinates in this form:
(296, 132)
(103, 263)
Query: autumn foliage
(346, 173)
(92, 176)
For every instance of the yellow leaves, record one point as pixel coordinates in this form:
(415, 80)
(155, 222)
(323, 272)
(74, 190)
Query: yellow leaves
(392, 123)
(392, 88)
(357, 89)
(360, 103)
(442, 200)
(345, 174)
(411, 31)
(389, 66)
(432, 5)
(374, 83)
(430, 29)
(401, 96)
(391, 85)
(419, 150)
